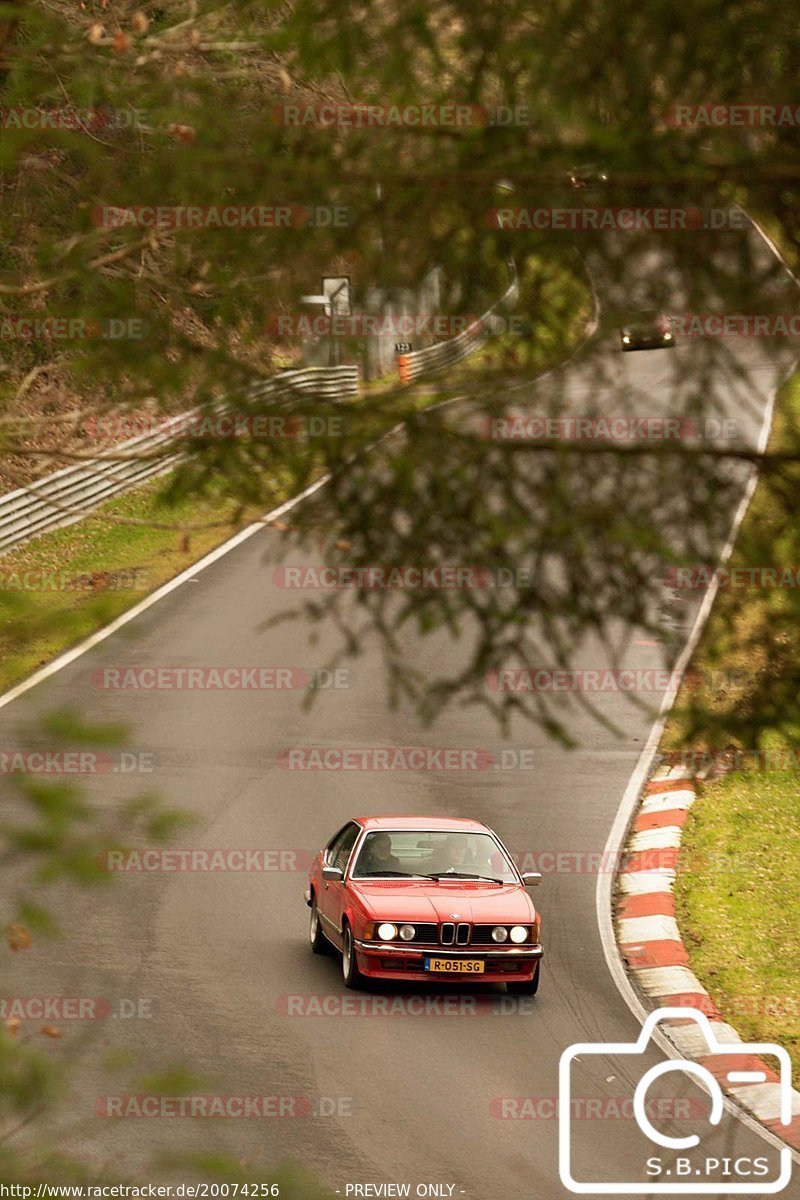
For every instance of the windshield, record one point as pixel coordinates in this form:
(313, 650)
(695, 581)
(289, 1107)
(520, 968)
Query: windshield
(417, 853)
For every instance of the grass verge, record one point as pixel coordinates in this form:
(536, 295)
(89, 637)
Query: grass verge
(66, 584)
(738, 886)
(738, 903)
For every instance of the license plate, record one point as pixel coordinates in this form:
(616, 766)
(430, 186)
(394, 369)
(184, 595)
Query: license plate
(455, 966)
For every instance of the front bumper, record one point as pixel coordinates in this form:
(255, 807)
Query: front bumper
(388, 960)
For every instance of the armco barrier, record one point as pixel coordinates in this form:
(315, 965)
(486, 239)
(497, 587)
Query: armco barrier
(437, 358)
(332, 383)
(67, 495)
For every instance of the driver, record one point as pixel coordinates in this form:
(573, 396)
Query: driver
(378, 856)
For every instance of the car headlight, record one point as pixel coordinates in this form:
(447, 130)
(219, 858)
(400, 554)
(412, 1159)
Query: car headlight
(387, 931)
(499, 933)
(407, 933)
(519, 934)
(625, 338)
(668, 337)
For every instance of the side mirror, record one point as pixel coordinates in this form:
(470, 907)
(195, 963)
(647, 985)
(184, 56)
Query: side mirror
(333, 874)
(531, 878)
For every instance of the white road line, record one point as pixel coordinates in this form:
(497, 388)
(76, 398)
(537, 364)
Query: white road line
(186, 576)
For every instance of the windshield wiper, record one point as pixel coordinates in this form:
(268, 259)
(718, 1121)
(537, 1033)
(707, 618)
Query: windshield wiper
(462, 875)
(392, 874)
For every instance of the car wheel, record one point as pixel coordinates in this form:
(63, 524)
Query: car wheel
(350, 972)
(319, 943)
(525, 987)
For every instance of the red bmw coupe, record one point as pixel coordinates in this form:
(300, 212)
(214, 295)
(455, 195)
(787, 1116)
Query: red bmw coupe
(424, 899)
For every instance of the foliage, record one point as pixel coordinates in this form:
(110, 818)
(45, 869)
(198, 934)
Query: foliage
(598, 524)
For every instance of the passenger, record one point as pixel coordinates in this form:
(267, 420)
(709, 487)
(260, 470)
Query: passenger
(453, 855)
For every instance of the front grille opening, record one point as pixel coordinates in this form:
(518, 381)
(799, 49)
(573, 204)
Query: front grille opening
(428, 933)
(482, 935)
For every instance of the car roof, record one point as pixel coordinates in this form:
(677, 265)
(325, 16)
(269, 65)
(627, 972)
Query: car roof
(422, 823)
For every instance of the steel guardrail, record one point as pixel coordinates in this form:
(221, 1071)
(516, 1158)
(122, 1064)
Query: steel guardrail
(439, 357)
(66, 495)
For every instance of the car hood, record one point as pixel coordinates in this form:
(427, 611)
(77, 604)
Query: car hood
(395, 900)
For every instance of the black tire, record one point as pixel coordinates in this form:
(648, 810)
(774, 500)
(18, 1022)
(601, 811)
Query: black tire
(319, 943)
(350, 972)
(525, 987)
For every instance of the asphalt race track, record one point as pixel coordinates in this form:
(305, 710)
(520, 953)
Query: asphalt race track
(411, 1091)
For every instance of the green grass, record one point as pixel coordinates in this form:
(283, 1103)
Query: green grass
(558, 289)
(36, 625)
(738, 902)
(738, 885)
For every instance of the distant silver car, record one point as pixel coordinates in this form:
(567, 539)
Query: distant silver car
(647, 331)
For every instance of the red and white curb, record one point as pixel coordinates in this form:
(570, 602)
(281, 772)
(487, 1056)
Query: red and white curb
(651, 945)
